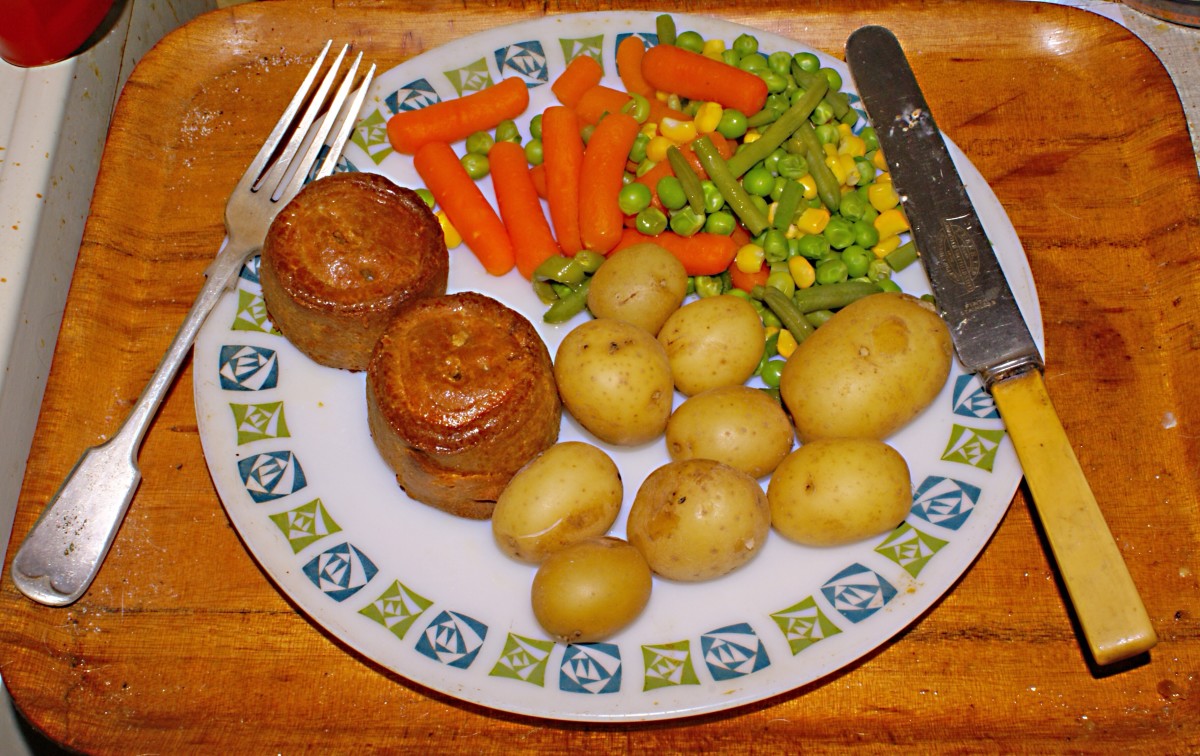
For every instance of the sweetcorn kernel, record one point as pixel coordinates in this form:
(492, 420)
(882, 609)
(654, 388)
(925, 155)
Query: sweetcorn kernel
(813, 220)
(882, 196)
(890, 223)
(786, 343)
(708, 117)
(656, 148)
(810, 186)
(802, 272)
(679, 132)
(449, 232)
(749, 258)
(886, 246)
(713, 48)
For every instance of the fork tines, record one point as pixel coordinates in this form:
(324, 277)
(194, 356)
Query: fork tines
(284, 175)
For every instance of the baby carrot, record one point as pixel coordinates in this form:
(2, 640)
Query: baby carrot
(458, 195)
(451, 120)
(598, 100)
(600, 218)
(629, 66)
(538, 174)
(697, 77)
(702, 254)
(580, 75)
(562, 154)
(747, 281)
(520, 207)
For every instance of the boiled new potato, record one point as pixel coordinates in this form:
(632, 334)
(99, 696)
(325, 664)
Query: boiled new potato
(839, 490)
(698, 519)
(614, 378)
(869, 370)
(640, 284)
(738, 425)
(591, 589)
(570, 492)
(713, 341)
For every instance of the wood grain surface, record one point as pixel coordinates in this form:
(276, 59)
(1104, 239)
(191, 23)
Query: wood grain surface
(183, 644)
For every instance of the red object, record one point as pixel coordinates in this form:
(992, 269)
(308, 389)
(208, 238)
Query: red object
(37, 32)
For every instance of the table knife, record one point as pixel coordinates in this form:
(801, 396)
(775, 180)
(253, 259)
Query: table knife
(993, 341)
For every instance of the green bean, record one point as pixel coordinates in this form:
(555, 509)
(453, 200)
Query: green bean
(545, 292)
(789, 202)
(903, 256)
(589, 260)
(818, 318)
(737, 198)
(708, 286)
(764, 117)
(692, 188)
(664, 25)
(832, 296)
(781, 304)
(569, 306)
(827, 183)
(778, 132)
(560, 269)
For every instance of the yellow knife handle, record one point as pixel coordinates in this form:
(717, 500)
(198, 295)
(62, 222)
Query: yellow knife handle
(1107, 605)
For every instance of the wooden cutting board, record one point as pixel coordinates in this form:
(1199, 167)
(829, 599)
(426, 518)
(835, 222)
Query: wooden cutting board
(184, 645)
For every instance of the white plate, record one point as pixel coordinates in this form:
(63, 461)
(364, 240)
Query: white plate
(429, 596)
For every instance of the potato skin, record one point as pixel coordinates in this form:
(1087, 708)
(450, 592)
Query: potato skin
(698, 519)
(714, 341)
(614, 378)
(590, 589)
(738, 425)
(869, 370)
(835, 491)
(640, 284)
(568, 493)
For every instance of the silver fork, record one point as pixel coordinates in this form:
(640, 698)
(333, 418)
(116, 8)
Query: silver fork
(63, 551)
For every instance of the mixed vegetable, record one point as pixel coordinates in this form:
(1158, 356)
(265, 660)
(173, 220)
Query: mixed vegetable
(751, 167)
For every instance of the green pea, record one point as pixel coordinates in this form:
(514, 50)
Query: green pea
(852, 206)
(807, 62)
(535, 126)
(774, 245)
(827, 133)
(670, 193)
(686, 221)
(792, 166)
(476, 165)
(708, 286)
(754, 62)
(730, 57)
(813, 246)
(818, 318)
(831, 270)
(782, 280)
(833, 77)
(878, 269)
(823, 113)
(776, 82)
(771, 372)
(771, 161)
(745, 44)
(690, 40)
(870, 138)
(865, 234)
(479, 143)
(634, 198)
(720, 222)
(866, 170)
(426, 196)
(651, 221)
(713, 199)
(533, 151)
(506, 131)
(857, 260)
(780, 62)
(637, 153)
(758, 181)
(733, 124)
(839, 232)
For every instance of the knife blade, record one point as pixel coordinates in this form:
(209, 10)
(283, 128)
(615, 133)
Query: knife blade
(993, 341)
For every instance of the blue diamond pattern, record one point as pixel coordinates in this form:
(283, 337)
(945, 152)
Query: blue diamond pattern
(247, 368)
(453, 639)
(341, 571)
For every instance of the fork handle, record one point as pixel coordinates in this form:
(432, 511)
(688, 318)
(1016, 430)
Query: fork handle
(62, 553)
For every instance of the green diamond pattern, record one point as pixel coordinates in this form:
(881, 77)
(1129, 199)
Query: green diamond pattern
(910, 548)
(251, 314)
(305, 524)
(371, 136)
(470, 78)
(973, 446)
(668, 665)
(590, 46)
(397, 608)
(524, 659)
(804, 624)
(255, 422)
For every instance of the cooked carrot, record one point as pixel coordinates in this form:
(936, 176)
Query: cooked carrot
(520, 207)
(451, 120)
(697, 77)
(538, 174)
(629, 66)
(458, 195)
(747, 281)
(702, 254)
(598, 100)
(580, 75)
(660, 110)
(600, 218)
(562, 154)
